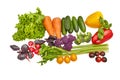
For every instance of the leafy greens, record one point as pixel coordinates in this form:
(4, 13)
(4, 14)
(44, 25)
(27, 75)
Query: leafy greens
(29, 26)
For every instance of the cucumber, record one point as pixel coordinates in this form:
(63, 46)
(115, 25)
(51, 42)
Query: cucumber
(75, 24)
(71, 28)
(64, 31)
(81, 24)
(67, 23)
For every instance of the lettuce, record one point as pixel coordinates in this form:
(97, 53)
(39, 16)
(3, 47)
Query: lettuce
(29, 26)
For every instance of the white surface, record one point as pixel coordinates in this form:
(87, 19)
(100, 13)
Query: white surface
(84, 68)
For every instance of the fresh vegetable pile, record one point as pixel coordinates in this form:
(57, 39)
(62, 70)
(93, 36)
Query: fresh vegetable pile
(61, 44)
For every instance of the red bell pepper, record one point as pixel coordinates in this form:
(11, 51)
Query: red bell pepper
(107, 35)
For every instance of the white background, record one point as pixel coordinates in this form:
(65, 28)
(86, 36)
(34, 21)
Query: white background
(84, 68)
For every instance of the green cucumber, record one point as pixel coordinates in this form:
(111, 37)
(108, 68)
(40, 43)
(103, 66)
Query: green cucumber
(64, 31)
(81, 24)
(71, 28)
(67, 22)
(75, 24)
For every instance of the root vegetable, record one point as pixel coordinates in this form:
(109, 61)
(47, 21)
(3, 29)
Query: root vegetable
(47, 22)
(56, 22)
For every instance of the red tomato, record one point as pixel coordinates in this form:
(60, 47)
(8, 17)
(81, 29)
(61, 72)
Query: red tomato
(37, 46)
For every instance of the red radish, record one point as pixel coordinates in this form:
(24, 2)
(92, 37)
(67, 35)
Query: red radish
(36, 51)
(32, 55)
(27, 58)
(30, 43)
(37, 46)
(31, 49)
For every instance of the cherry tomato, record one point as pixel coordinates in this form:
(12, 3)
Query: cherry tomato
(98, 59)
(102, 53)
(91, 54)
(67, 59)
(59, 60)
(73, 57)
(31, 49)
(97, 53)
(37, 46)
(104, 59)
(30, 43)
(36, 51)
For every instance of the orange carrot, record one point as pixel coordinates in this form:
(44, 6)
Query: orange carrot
(57, 26)
(48, 25)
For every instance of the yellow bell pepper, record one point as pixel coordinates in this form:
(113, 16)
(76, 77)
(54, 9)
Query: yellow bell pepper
(93, 19)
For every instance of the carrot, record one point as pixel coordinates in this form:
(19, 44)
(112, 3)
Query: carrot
(56, 22)
(48, 25)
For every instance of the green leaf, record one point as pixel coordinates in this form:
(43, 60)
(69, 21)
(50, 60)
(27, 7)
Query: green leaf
(100, 36)
(110, 25)
(100, 31)
(106, 22)
(49, 53)
(106, 26)
(101, 20)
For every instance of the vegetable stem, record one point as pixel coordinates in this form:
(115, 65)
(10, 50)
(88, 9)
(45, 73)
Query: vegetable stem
(89, 45)
(83, 49)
